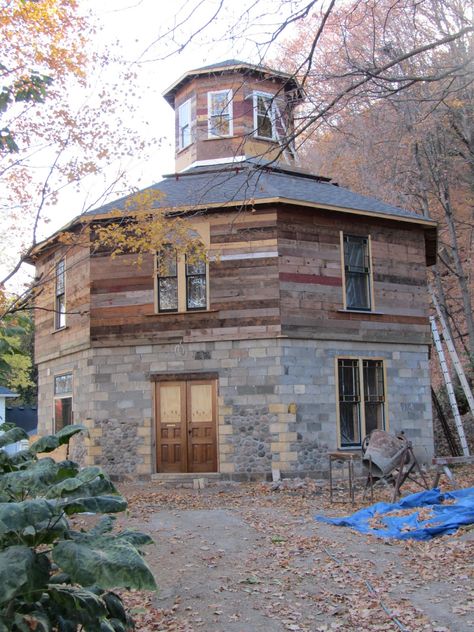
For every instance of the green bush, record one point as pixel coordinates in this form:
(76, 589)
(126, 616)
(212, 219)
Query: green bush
(53, 576)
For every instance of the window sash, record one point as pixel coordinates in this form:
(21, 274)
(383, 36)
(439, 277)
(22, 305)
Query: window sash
(196, 285)
(62, 412)
(219, 106)
(361, 396)
(357, 273)
(167, 280)
(60, 295)
(264, 118)
(184, 124)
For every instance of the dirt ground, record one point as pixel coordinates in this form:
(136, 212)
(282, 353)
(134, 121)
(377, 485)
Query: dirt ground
(246, 558)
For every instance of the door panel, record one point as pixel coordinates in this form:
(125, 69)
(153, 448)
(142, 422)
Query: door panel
(201, 416)
(171, 427)
(186, 426)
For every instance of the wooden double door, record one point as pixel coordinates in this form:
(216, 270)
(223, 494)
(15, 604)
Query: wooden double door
(186, 426)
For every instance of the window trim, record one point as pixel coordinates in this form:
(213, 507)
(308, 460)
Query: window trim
(230, 112)
(185, 106)
(271, 112)
(157, 278)
(371, 294)
(68, 395)
(182, 289)
(57, 313)
(360, 366)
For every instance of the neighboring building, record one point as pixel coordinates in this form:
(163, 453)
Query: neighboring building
(307, 328)
(5, 394)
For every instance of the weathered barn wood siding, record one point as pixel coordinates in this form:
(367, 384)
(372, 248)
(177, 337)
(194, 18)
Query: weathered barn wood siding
(311, 279)
(50, 343)
(243, 282)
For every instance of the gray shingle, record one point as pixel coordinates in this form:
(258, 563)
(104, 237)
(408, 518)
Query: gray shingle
(247, 183)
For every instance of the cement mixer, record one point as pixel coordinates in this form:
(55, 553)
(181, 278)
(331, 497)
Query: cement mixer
(383, 454)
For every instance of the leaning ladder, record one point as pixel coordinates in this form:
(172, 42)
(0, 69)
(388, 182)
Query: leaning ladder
(449, 386)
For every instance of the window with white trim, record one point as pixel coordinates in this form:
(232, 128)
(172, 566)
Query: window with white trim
(184, 125)
(60, 295)
(62, 401)
(361, 395)
(219, 108)
(264, 115)
(357, 274)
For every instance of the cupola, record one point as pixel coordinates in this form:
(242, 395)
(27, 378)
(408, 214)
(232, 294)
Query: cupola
(232, 111)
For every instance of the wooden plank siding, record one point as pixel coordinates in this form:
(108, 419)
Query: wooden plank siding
(49, 342)
(311, 279)
(243, 282)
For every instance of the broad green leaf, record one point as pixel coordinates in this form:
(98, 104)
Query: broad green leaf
(95, 504)
(115, 607)
(64, 435)
(104, 561)
(78, 604)
(21, 570)
(37, 477)
(48, 443)
(105, 525)
(12, 436)
(135, 537)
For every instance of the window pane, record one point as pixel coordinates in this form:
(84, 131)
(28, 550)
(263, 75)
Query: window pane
(264, 119)
(60, 312)
(355, 253)
(197, 267)
(60, 277)
(350, 426)
(357, 291)
(184, 124)
(349, 402)
(167, 294)
(167, 262)
(63, 384)
(62, 412)
(219, 114)
(196, 292)
(374, 395)
(374, 417)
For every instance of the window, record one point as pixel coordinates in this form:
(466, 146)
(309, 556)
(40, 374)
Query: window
(62, 401)
(263, 115)
(357, 273)
(361, 394)
(219, 107)
(196, 285)
(181, 282)
(60, 296)
(167, 280)
(184, 124)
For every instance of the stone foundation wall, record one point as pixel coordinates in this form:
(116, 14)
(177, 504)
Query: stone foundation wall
(276, 401)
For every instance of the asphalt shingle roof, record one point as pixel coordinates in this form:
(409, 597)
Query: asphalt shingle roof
(247, 183)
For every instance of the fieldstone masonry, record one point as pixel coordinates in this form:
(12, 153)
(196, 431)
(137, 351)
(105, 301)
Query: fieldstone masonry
(276, 401)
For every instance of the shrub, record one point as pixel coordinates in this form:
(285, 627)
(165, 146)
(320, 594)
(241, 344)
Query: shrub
(53, 576)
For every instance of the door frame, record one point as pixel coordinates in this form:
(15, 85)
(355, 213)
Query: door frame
(183, 377)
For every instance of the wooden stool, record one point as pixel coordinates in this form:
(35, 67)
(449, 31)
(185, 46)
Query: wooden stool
(343, 458)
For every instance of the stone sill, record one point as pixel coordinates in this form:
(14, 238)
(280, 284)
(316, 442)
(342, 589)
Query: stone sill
(190, 313)
(363, 312)
(56, 331)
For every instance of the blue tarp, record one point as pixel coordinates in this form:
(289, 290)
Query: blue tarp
(448, 511)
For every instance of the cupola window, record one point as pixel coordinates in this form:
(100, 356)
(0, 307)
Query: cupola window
(184, 125)
(264, 115)
(219, 107)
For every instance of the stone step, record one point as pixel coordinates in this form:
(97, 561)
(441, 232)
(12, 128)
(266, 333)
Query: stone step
(196, 480)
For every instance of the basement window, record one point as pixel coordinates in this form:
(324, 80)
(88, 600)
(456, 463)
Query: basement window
(62, 401)
(361, 399)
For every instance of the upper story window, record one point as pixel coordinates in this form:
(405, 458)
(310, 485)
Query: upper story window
(264, 115)
(219, 107)
(361, 388)
(181, 283)
(60, 295)
(357, 272)
(184, 125)
(167, 280)
(62, 401)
